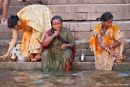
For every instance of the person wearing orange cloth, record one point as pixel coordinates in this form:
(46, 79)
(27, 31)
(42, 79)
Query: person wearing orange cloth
(107, 43)
(34, 21)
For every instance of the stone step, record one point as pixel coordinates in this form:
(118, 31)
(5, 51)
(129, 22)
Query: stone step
(87, 2)
(80, 66)
(16, 3)
(91, 11)
(80, 30)
(77, 59)
(59, 2)
(6, 33)
(4, 44)
(88, 59)
(83, 30)
(91, 66)
(21, 3)
(82, 47)
(84, 11)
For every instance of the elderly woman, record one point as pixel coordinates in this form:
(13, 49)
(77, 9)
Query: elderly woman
(107, 43)
(34, 20)
(58, 47)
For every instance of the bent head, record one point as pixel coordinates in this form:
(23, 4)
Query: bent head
(13, 22)
(107, 19)
(57, 23)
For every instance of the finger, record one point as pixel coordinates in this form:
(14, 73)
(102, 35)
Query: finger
(58, 29)
(116, 54)
(3, 58)
(62, 46)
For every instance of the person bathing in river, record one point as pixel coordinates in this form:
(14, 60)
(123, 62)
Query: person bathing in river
(34, 20)
(58, 47)
(107, 43)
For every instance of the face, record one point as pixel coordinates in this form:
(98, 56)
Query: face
(108, 23)
(57, 24)
(17, 26)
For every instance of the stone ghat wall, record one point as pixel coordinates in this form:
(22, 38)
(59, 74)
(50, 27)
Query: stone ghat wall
(76, 66)
(82, 46)
(84, 12)
(80, 30)
(86, 1)
(64, 2)
(79, 16)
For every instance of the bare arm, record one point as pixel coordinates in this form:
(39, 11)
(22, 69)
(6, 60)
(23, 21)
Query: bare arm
(115, 44)
(11, 45)
(13, 42)
(102, 45)
(106, 47)
(5, 9)
(99, 38)
(50, 38)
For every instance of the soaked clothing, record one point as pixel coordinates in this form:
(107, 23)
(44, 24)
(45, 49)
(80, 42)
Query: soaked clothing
(53, 56)
(35, 20)
(103, 59)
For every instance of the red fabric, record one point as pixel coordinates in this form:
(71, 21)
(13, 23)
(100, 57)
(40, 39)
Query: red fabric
(68, 61)
(48, 33)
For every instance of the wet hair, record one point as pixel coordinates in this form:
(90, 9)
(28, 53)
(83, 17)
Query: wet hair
(105, 16)
(12, 21)
(56, 17)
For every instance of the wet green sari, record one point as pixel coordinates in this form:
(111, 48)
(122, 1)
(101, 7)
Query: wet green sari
(54, 58)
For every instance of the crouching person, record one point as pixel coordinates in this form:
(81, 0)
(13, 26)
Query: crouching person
(58, 47)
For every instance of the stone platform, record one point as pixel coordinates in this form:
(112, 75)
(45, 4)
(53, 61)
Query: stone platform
(79, 16)
(81, 66)
(86, 1)
(77, 65)
(82, 47)
(79, 29)
(84, 11)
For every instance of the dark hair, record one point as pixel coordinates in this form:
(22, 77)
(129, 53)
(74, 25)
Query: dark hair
(56, 17)
(12, 21)
(105, 16)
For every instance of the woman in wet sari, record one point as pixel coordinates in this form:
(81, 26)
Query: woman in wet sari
(34, 21)
(58, 47)
(107, 43)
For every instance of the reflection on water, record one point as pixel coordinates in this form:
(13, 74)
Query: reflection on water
(92, 78)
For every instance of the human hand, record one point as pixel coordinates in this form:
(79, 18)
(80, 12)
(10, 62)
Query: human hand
(114, 54)
(57, 33)
(5, 56)
(110, 46)
(64, 46)
(104, 46)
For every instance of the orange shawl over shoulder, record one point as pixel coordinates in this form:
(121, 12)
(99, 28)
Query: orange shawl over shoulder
(103, 60)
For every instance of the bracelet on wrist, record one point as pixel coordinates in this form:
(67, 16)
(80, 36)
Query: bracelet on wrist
(111, 45)
(68, 45)
(108, 51)
(53, 36)
(7, 53)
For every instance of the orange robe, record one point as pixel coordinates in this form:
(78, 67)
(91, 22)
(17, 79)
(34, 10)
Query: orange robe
(103, 59)
(35, 20)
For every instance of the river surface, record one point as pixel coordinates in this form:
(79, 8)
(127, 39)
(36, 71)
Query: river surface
(90, 78)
